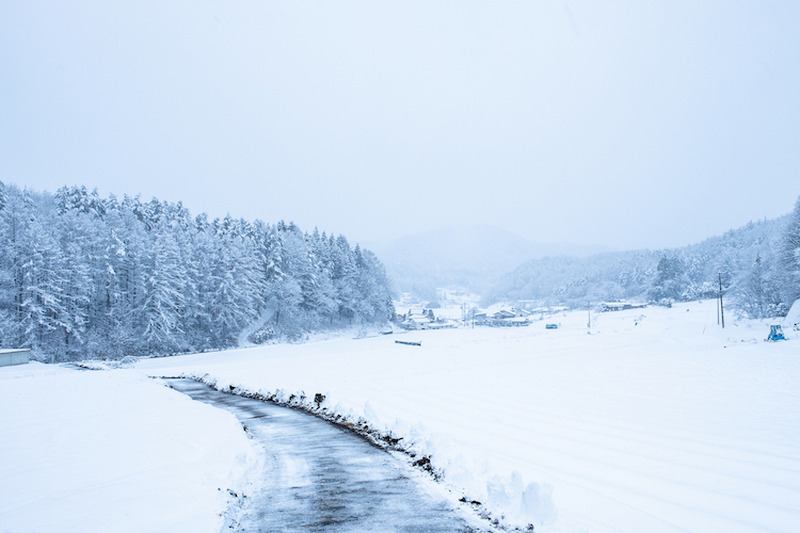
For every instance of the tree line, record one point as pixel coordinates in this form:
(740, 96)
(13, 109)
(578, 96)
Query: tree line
(758, 265)
(83, 276)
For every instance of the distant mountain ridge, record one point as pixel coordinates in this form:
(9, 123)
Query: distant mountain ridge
(631, 274)
(469, 257)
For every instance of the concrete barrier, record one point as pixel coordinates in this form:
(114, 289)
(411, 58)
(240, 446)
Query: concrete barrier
(14, 357)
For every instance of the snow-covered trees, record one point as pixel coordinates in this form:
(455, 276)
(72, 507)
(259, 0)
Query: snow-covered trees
(670, 280)
(373, 300)
(789, 257)
(757, 293)
(758, 263)
(83, 276)
(167, 290)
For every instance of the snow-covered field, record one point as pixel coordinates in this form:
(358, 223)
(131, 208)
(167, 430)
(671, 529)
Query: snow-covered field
(652, 420)
(112, 451)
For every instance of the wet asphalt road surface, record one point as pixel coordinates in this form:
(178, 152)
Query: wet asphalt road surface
(318, 477)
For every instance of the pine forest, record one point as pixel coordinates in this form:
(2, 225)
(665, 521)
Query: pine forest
(88, 277)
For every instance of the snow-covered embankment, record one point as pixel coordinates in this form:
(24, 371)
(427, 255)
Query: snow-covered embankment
(113, 451)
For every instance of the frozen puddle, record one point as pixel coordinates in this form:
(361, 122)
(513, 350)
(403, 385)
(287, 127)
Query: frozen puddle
(319, 477)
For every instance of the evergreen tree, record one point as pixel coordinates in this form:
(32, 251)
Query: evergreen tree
(165, 294)
(322, 301)
(38, 286)
(789, 257)
(7, 318)
(374, 303)
(131, 250)
(233, 286)
(286, 291)
(200, 301)
(78, 258)
(757, 295)
(670, 281)
(345, 280)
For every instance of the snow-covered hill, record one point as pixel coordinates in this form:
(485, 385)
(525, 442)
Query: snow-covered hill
(632, 274)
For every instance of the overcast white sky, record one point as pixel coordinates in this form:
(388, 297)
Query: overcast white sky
(620, 123)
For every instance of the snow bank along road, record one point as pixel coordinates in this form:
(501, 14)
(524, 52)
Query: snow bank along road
(319, 477)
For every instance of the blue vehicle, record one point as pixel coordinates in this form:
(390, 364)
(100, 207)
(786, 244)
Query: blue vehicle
(776, 334)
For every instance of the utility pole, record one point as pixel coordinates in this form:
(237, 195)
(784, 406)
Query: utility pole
(721, 310)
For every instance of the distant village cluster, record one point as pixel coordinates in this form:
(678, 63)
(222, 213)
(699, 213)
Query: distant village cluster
(424, 318)
(418, 318)
(522, 313)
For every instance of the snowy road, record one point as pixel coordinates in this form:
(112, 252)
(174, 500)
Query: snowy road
(318, 477)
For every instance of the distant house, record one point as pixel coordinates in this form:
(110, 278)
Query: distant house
(506, 318)
(480, 318)
(442, 324)
(418, 318)
(541, 310)
(413, 324)
(620, 306)
(421, 313)
(502, 318)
